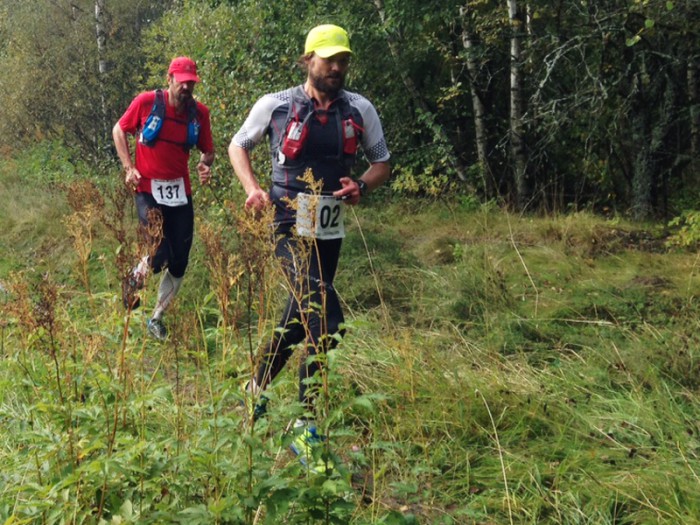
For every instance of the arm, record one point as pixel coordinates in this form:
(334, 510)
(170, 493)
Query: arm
(376, 175)
(240, 160)
(373, 141)
(121, 143)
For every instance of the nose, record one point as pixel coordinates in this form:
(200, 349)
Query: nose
(339, 62)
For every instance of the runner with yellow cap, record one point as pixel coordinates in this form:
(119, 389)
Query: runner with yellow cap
(318, 125)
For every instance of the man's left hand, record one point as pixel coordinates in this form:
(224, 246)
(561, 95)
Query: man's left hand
(204, 172)
(349, 193)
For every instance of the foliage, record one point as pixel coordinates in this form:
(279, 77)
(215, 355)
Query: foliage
(610, 89)
(687, 226)
(496, 368)
(51, 81)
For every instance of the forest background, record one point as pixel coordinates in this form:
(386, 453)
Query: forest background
(523, 348)
(540, 105)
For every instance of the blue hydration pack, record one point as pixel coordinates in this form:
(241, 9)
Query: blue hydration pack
(154, 123)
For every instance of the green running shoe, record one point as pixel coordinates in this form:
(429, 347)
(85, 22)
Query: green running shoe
(308, 447)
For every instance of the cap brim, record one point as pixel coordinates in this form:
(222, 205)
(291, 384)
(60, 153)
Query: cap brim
(186, 77)
(326, 52)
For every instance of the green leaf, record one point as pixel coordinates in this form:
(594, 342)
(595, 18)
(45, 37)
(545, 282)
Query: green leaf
(127, 510)
(649, 23)
(632, 41)
(669, 6)
(330, 488)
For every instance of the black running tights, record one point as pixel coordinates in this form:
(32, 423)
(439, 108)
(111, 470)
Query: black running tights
(312, 313)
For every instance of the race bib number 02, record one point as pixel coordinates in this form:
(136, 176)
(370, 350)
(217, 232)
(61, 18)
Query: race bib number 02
(320, 216)
(169, 192)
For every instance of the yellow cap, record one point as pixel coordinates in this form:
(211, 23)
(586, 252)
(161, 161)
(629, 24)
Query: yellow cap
(327, 40)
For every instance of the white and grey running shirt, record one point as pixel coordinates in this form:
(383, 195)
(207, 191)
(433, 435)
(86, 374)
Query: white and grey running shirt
(323, 149)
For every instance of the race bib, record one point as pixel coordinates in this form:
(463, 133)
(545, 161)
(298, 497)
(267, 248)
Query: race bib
(320, 216)
(169, 192)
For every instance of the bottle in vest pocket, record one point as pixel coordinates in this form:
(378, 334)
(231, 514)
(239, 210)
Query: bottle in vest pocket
(150, 130)
(349, 137)
(294, 139)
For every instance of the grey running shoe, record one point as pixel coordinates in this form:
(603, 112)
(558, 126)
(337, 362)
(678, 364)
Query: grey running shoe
(157, 329)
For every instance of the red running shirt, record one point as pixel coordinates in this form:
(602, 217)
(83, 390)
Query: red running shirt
(167, 159)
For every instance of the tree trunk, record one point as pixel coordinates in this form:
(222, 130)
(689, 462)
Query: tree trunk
(643, 170)
(479, 110)
(517, 146)
(413, 91)
(694, 104)
(102, 68)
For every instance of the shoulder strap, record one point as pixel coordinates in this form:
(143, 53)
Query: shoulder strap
(193, 126)
(154, 121)
(296, 103)
(159, 104)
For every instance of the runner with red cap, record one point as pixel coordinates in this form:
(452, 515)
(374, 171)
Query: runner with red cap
(169, 124)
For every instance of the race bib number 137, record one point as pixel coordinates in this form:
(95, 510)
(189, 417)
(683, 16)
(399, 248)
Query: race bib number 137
(169, 192)
(320, 216)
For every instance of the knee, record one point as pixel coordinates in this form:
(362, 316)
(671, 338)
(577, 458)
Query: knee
(177, 271)
(177, 267)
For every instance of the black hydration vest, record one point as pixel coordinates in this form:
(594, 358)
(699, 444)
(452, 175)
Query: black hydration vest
(295, 147)
(290, 150)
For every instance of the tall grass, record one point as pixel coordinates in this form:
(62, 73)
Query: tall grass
(495, 369)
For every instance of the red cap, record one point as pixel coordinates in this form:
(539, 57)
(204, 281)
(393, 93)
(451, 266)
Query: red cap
(183, 69)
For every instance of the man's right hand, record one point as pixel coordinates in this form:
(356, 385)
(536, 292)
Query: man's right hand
(258, 200)
(133, 177)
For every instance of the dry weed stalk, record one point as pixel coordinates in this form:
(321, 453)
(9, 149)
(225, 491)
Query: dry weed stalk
(88, 209)
(80, 226)
(115, 222)
(225, 269)
(34, 306)
(255, 254)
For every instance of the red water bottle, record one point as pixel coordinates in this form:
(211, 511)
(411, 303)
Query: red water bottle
(294, 139)
(349, 137)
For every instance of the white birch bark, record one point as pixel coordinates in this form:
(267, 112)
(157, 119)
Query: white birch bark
(101, 34)
(517, 148)
(478, 108)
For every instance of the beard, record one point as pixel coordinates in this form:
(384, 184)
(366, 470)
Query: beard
(184, 97)
(330, 84)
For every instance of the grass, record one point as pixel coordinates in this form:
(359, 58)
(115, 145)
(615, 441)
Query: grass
(496, 369)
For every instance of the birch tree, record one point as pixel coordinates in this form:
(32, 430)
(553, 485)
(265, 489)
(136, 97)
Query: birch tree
(517, 128)
(478, 108)
(101, 34)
